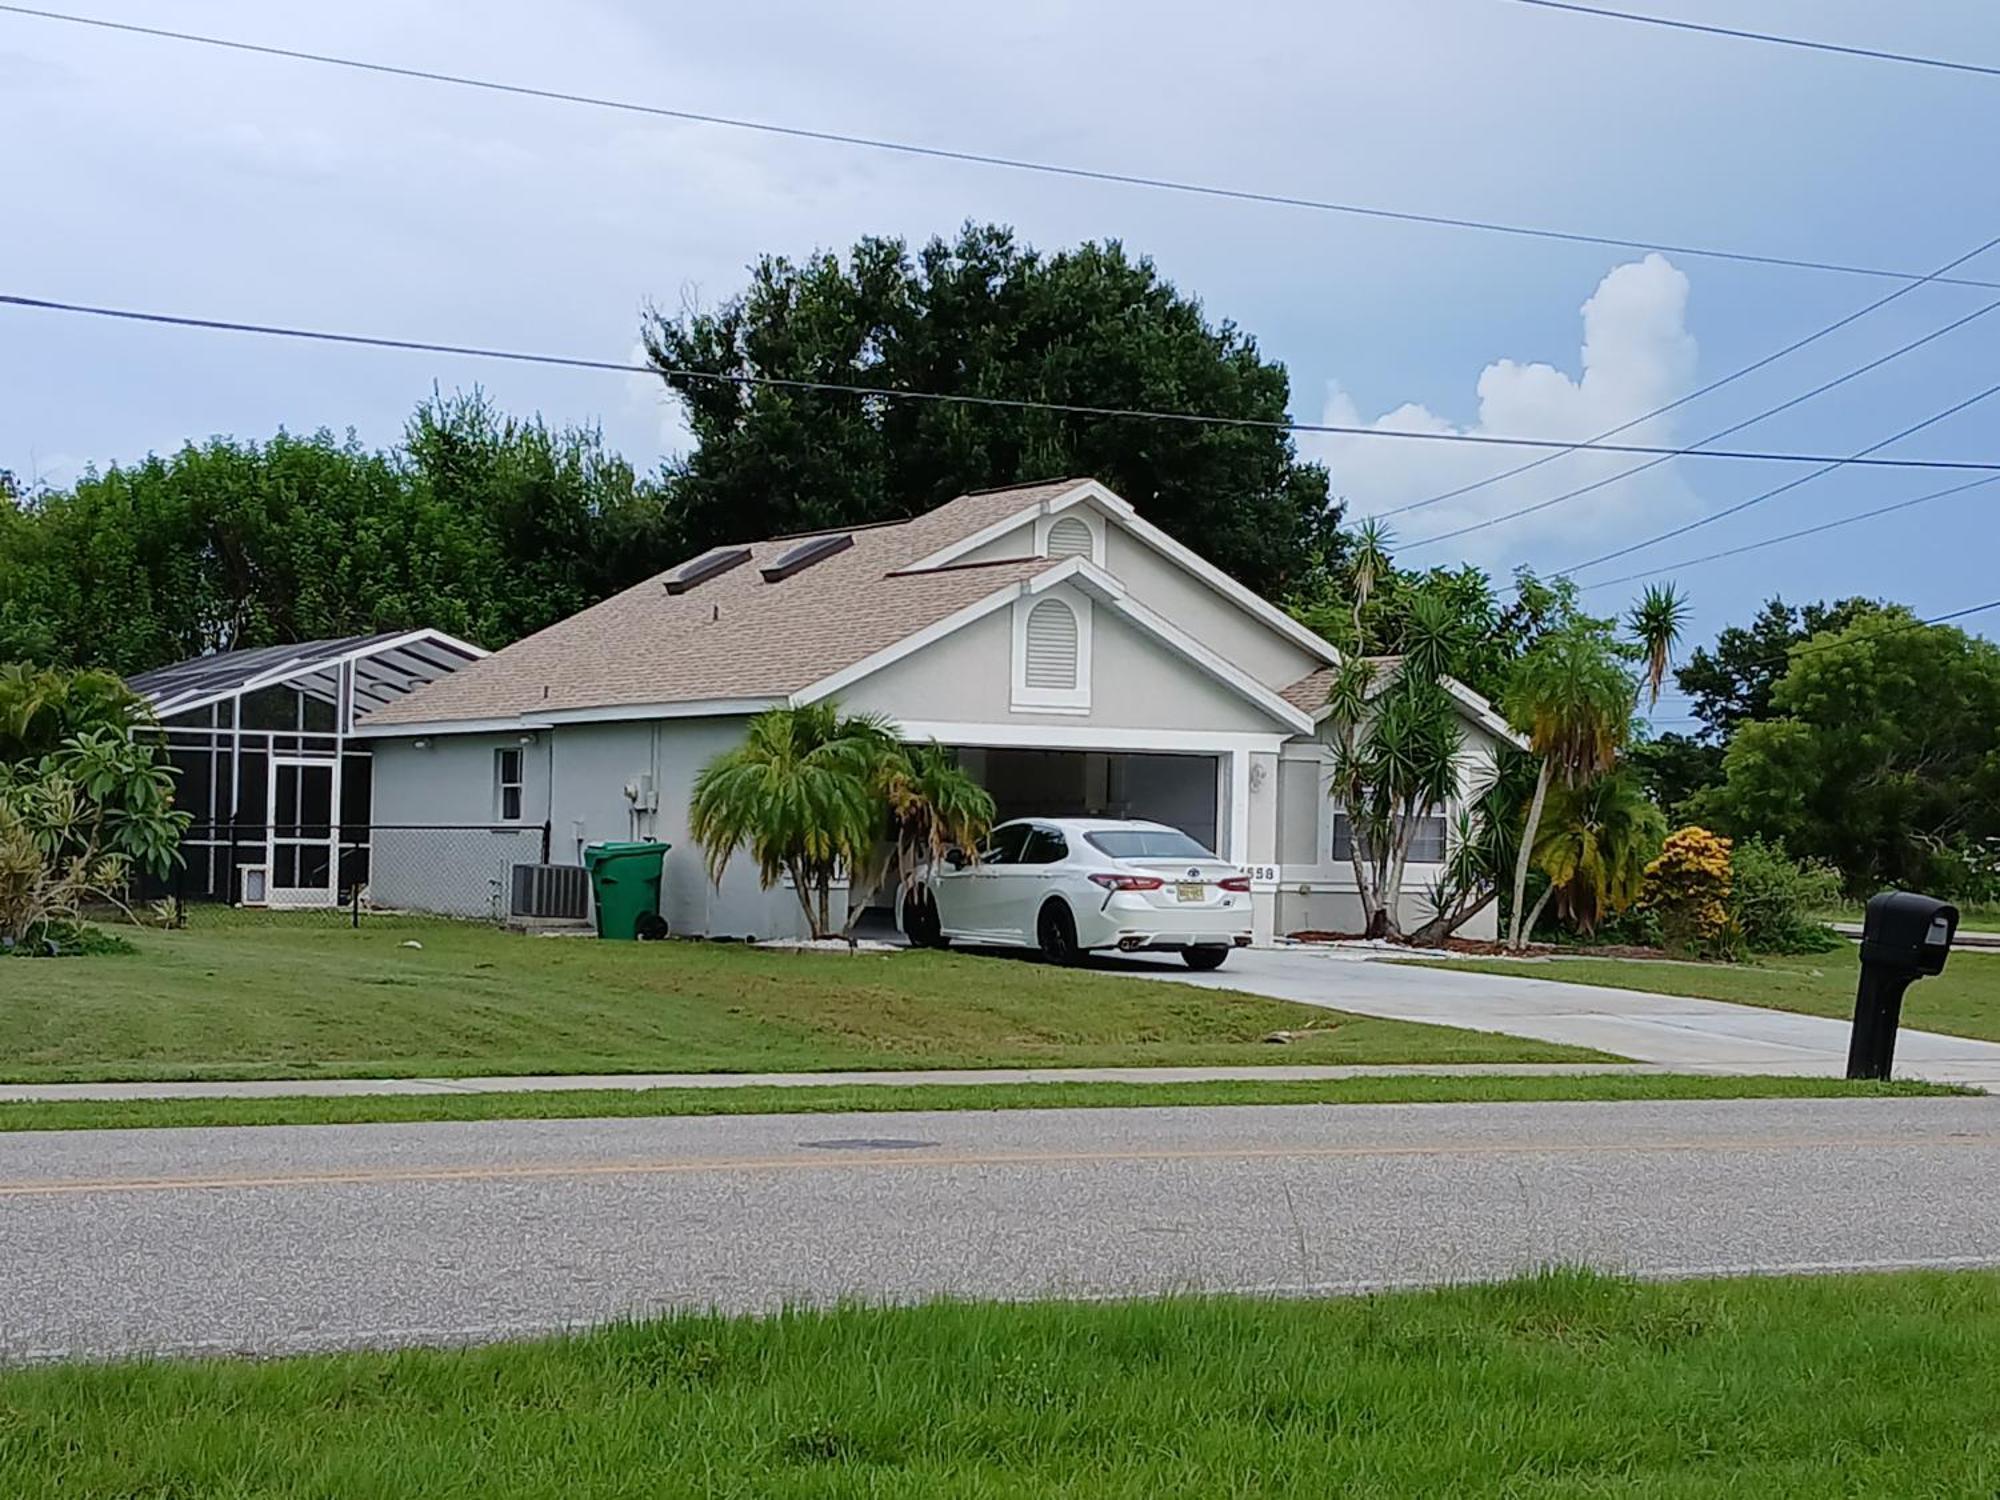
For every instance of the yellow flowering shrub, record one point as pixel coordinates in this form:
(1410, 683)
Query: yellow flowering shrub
(1687, 888)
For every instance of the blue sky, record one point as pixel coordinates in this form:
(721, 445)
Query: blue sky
(151, 174)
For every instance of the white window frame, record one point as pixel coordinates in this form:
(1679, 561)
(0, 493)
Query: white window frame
(1026, 699)
(501, 785)
(1090, 518)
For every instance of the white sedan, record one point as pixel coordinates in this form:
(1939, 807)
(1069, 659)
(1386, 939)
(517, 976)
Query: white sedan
(1071, 885)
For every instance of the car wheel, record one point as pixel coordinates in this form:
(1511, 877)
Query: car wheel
(1204, 959)
(1056, 931)
(921, 923)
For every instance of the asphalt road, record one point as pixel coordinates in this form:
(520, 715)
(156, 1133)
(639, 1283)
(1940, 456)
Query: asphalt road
(311, 1237)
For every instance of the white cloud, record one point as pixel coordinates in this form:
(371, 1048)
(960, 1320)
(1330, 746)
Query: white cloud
(1637, 356)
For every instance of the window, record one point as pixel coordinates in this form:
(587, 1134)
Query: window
(1045, 846)
(1427, 839)
(1427, 842)
(507, 783)
(1003, 847)
(1146, 843)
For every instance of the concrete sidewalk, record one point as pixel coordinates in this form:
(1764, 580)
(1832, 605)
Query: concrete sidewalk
(1673, 1032)
(336, 1088)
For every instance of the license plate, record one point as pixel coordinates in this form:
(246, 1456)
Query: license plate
(1186, 892)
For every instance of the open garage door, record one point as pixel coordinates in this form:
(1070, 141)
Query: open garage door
(1182, 791)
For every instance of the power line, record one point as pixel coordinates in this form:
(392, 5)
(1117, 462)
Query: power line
(1713, 385)
(1770, 411)
(1844, 642)
(1790, 536)
(1674, 23)
(978, 158)
(1772, 494)
(577, 362)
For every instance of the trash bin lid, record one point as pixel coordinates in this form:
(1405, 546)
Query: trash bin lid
(624, 849)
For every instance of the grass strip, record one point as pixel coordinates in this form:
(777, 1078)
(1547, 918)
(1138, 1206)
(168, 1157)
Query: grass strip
(765, 1099)
(1565, 1383)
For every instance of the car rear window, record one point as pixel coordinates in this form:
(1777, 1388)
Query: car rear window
(1146, 843)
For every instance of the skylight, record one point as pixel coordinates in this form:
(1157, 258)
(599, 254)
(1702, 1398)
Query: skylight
(803, 556)
(706, 567)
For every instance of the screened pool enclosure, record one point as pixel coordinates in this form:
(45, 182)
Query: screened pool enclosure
(261, 744)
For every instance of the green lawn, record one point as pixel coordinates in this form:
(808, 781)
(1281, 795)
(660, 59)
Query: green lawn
(1565, 1384)
(306, 998)
(766, 1099)
(1962, 1001)
(1974, 916)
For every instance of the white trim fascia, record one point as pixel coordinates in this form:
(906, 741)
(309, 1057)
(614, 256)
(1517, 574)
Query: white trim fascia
(1220, 668)
(950, 552)
(1086, 737)
(1246, 599)
(937, 630)
(438, 728)
(1483, 713)
(680, 708)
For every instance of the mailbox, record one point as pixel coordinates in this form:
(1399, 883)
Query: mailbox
(1903, 937)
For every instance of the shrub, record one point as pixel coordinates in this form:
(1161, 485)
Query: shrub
(1773, 899)
(64, 939)
(1687, 888)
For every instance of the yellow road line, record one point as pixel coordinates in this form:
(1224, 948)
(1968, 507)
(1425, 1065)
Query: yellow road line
(902, 1160)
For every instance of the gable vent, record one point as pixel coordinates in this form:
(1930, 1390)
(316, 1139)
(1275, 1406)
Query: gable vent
(1071, 537)
(706, 567)
(1051, 646)
(803, 556)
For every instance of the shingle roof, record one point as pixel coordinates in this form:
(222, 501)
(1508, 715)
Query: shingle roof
(1309, 692)
(734, 635)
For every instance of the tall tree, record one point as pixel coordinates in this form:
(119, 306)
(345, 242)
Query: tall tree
(1733, 682)
(1881, 756)
(1572, 698)
(481, 525)
(985, 316)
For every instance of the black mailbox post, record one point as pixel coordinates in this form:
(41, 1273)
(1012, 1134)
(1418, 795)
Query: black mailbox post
(1903, 937)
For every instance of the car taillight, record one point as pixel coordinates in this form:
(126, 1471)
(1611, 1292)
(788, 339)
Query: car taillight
(1128, 882)
(1235, 883)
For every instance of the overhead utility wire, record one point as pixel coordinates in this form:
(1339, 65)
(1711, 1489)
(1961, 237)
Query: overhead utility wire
(1771, 411)
(577, 362)
(1713, 385)
(979, 158)
(1675, 23)
(1771, 494)
(1791, 536)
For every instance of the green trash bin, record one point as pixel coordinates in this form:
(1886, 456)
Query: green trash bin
(625, 889)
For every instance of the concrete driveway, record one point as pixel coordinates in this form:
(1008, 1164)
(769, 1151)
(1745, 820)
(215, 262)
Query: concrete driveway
(1695, 1036)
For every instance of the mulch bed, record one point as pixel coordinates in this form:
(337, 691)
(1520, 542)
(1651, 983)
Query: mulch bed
(1486, 948)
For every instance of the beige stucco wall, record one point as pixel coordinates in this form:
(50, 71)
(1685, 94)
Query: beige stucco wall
(1135, 682)
(1165, 587)
(1314, 893)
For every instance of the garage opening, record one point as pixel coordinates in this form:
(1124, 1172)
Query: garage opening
(1182, 791)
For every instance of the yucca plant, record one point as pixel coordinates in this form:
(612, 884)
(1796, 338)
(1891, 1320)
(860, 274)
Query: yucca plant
(1657, 622)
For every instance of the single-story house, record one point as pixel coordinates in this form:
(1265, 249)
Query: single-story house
(1079, 660)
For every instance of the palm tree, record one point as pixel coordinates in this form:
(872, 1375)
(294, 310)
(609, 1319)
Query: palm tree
(1595, 842)
(1572, 699)
(1366, 567)
(935, 807)
(803, 793)
(1657, 621)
